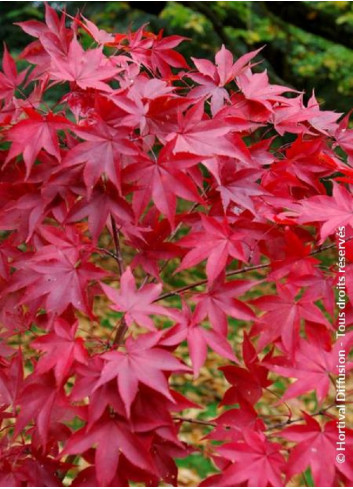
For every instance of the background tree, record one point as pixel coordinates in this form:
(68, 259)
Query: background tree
(307, 44)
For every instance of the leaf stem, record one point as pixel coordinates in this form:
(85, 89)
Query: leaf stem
(118, 256)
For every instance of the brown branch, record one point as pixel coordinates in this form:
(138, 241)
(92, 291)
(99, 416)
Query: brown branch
(204, 281)
(107, 252)
(118, 256)
(321, 412)
(120, 333)
(121, 327)
(230, 273)
(195, 421)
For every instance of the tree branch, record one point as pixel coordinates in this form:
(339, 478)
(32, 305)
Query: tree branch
(118, 256)
(320, 412)
(230, 273)
(120, 333)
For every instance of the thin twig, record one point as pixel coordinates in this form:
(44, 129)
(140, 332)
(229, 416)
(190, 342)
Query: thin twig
(321, 412)
(195, 421)
(107, 252)
(230, 273)
(120, 333)
(118, 255)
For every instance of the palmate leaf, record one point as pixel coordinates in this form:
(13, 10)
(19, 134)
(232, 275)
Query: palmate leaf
(143, 362)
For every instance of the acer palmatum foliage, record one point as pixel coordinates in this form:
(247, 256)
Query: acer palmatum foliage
(221, 194)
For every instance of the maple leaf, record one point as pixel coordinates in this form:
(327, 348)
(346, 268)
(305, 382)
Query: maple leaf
(11, 377)
(136, 304)
(284, 314)
(247, 383)
(201, 136)
(312, 367)
(332, 212)
(102, 203)
(9, 79)
(163, 182)
(153, 244)
(58, 276)
(239, 188)
(255, 460)
(140, 102)
(219, 301)
(217, 242)
(62, 350)
(231, 424)
(212, 78)
(44, 402)
(198, 338)
(99, 35)
(29, 136)
(316, 448)
(143, 362)
(100, 153)
(112, 438)
(107, 395)
(298, 262)
(256, 87)
(293, 117)
(24, 215)
(163, 56)
(89, 69)
(311, 160)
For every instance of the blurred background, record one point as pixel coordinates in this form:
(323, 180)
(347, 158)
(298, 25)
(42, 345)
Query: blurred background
(307, 44)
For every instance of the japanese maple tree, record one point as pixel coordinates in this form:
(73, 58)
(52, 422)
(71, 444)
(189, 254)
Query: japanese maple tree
(158, 214)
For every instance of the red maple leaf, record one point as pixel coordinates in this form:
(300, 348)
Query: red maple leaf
(9, 79)
(102, 203)
(312, 367)
(59, 276)
(219, 301)
(316, 448)
(216, 242)
(62, 350)
(212, 78)
(144, 361)
(198, 338)
(162, 181)
(100, 153)
(255, 461)
(283, 316)
(136, 304)
(112, 438)
(89, 69)
(247, 384)
(332, 212)
(201, 136)
(31, 135)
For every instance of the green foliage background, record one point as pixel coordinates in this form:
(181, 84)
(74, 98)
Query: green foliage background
(313, 50)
